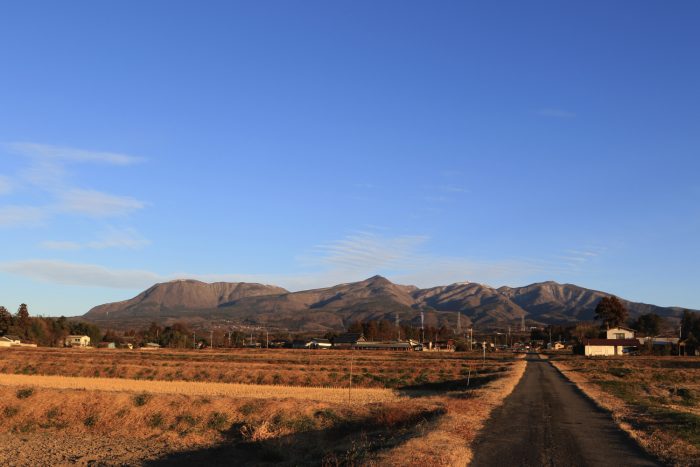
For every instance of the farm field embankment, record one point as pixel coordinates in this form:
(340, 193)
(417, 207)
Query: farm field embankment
(655, 399)
(131, 407)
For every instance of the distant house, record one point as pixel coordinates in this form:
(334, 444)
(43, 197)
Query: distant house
(251, 343)
(106, 345)
(620, 332)
(347, 340)
(609, 347)
(150, 346)
(9, 341)
(279, 344)
(5, 342)
(77, 341)
(126, 345)
(318, 343)
(659, 340)
(555, 346)
(441, 346)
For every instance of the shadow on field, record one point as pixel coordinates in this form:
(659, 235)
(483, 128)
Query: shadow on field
(346, 443)
(431, 389)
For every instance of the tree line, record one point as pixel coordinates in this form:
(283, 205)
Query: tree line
(42, 330)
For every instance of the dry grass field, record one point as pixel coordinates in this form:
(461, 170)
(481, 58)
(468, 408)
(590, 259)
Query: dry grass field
(249, 366)
(276, 407)
(655, 399)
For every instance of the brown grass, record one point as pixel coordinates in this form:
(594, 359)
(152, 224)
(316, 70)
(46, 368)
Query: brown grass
(242, 366)
(449, 442)
(337, 395)
(405, 407)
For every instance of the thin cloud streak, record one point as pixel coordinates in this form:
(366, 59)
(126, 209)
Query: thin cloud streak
(97, 204)
(68, 154)
(128, 239)
(22, 216)
(65, 273)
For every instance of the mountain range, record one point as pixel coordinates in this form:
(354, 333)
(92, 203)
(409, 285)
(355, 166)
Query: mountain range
(200, 304)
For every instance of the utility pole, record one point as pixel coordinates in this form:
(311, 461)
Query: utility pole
(194, 340)
(422, 328)
(267, 339)
(471, 338)
(459, 323)
(229, 338)
(398, 327)
(352, 356)
(211, 339)
(680, 336)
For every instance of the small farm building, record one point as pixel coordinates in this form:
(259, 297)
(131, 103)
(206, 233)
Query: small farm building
(318, 343)
(77, 341)
(609, 347)
(620, 332)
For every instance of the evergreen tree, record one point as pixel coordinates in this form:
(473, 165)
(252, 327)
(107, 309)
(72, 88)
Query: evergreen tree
(23, 319)
(648, 325)
(5, 320)
(611, 311)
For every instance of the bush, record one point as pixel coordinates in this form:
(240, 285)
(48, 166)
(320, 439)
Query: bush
(10, 411)
(155, 420)
(141, 399)
(217, 421)
(90, 421)
(24, 393)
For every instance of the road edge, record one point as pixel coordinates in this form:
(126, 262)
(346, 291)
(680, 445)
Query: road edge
(504, 387)
(607, 403)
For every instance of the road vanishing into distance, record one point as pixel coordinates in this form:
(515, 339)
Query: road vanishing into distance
(547, 421)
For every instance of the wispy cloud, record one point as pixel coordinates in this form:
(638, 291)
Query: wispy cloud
(354, 257)
(48, 174)
(128, 239)
(68, 154)
(97, 204)
(404, 259)
(22, 216)
(366, 251)
(60, 245)
(61, 272)
(555, 113)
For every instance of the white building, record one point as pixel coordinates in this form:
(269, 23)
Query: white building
(620, 332)
(77, 341)
(9, 341)
(609, 347)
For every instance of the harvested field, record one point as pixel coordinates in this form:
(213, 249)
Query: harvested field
(655, 399)
(403, 407)
(339, 395)
(286, 367)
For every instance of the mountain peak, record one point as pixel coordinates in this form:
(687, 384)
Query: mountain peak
(377, 280)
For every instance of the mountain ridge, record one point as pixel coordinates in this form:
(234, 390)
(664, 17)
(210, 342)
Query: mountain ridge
(334, 308)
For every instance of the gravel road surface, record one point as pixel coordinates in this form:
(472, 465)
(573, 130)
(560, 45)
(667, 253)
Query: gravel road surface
(548, 421)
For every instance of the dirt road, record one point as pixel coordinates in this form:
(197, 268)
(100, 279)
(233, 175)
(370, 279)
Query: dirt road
(547, 421)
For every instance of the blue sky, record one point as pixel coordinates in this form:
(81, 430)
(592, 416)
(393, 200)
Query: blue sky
(310, 143)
